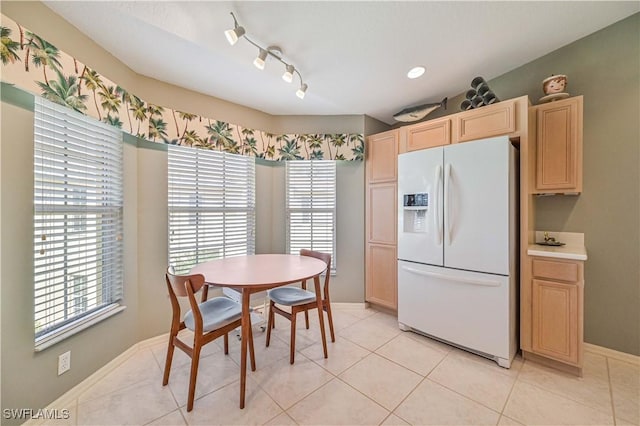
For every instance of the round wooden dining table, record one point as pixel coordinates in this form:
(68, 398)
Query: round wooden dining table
(259, 272)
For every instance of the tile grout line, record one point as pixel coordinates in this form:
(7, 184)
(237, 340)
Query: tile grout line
(458, 393)
(613, 405)
(416, 387)
(568, 396)
(506, 401)
(366, 396)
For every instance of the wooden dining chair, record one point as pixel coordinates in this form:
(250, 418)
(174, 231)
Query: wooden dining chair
(208, 320)
(299, 300)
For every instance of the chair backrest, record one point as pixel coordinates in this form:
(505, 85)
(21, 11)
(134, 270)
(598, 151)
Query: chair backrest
(176, 283)
(326, 258)
(184, 286)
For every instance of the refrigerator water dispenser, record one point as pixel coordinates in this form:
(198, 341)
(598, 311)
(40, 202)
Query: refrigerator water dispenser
(415, 212)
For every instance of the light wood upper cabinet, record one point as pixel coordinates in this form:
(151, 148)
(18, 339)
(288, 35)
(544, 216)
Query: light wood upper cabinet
(557, 310)
(382, 157)
(493, 120)
(425, 135)
(559, 146)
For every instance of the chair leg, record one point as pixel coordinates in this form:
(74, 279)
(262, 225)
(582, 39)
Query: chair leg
(327, 306)
(226, 343)
(292, 349)
(269, 323)
(306, 319)
(252, 355)
(167, 365)
(194, 375)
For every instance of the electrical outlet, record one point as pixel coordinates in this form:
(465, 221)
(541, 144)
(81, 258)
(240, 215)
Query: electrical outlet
(64, 362)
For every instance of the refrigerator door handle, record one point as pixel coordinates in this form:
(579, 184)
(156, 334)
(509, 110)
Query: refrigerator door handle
(438, 217)
(447, 207)
(474, 281)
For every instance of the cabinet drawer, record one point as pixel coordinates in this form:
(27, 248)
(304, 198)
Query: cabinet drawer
(428, 134)
(555, 270)
(493, 120)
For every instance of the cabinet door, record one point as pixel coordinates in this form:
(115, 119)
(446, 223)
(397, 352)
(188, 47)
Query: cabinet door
(428, 134)
(559, 147)
(381, 157)
(555, 320)
(493, 120)
(382, 275)
(382, 213)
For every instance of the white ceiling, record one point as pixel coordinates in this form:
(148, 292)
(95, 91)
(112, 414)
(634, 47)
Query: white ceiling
(353, 55)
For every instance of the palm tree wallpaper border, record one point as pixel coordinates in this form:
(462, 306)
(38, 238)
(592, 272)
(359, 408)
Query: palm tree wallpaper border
(62, 79)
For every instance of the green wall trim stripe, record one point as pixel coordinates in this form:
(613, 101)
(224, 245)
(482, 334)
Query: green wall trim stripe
(16, 96)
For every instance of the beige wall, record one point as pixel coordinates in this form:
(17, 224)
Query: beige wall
(605, 68)
(29, 379)
(347, 285)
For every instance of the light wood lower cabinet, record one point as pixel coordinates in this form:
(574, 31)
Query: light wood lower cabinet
(382, 275)
(557, 309)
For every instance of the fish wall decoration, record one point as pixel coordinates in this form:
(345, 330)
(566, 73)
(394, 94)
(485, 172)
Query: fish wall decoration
(418, 112)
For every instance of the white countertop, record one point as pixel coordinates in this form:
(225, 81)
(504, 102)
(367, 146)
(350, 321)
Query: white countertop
(573, 249)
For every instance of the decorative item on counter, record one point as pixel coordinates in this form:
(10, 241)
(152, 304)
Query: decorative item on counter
(549, 241)
(479, 95)
(417, 112)
(553, 88)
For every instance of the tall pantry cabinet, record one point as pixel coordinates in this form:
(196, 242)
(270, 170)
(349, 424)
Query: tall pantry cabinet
(381, 276)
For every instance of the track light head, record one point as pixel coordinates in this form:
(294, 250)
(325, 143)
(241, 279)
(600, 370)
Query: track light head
(234, 34)
(260, 60)
(302, 91)
(288, 74)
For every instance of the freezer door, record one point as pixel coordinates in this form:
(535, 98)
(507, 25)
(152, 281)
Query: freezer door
(420, 200)
(477, 205)
(469, 309)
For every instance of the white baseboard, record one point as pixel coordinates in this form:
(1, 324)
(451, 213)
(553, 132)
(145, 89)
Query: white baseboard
(611, 353)
(69, 397)
(348, 305)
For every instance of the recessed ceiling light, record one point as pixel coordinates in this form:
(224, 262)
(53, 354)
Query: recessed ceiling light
(415, 72)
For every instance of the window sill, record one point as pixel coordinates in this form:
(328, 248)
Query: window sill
(69, 330)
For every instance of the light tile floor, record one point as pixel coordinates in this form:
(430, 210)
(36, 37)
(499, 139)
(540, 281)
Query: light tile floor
(375, 375)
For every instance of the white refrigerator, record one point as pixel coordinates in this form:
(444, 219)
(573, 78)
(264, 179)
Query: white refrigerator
(457, 245)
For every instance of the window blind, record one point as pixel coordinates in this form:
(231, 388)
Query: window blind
(311, 206)
(211, 206)
(78, 186)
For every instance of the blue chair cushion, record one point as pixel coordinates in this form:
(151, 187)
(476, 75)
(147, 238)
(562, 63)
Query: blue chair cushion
(291, 296)
(216, 313)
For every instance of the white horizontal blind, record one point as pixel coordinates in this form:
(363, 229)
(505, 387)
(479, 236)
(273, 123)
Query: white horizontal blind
(78, 204)
(211, 206)
(311, 206)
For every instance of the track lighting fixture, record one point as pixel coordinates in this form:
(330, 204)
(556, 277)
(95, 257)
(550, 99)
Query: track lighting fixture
(264, 53)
